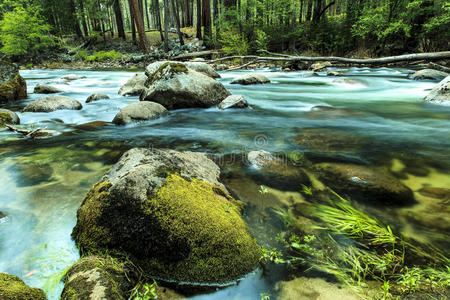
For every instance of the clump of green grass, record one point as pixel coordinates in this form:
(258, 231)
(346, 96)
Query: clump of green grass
(99, 56)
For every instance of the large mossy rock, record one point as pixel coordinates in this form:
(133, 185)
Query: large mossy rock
(93, 277)
(167, 211)
(52, 103)
(175, 86)
(139, 111)
(440, 94)
(8, 117)
(428, 74)
(13, 288)
(372, 184)
(12, 85)
(200, 67)
(134, 86)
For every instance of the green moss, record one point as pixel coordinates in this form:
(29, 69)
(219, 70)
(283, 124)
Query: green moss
(13, 90)
(185, 231)
(5, 118)
(169, 69)
(13, 288)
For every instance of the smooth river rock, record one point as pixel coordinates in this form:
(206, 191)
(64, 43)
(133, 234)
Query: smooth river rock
(96, 97)
(46, 89)
(52, 103)
(428, 74)
(252, 78)
(134, 86)
(233, 101)
(200, 67)
(175, 86)
(440, 94)
(139, 111)
(12, 85)
(169, 214)
(372, 184)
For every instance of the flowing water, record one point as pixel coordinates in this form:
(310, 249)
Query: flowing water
(382, 122)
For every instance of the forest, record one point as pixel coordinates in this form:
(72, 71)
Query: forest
(326, 27)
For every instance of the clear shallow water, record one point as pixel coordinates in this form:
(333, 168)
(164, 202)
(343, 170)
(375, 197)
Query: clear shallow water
(385, 122)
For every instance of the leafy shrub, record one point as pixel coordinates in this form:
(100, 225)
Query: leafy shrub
(99, 56)
(234, 43)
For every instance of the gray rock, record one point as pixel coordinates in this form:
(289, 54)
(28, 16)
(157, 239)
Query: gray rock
(320, 66)
(233, 101)
(373, 184)
(139, 111)
(72, 77)
(334, 73)
(96, 97)
(12, 85)
(175, 86)
(46, 89)
(252, 78)
(200, 67)
(134, 86)
(14, 117)
(52, 103)
(428, 74)
(440, 94)
(198, 59)
(221, 67)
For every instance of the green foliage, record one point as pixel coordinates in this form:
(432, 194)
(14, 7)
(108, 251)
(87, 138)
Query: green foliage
(234, 43)
(271, 256)
(144, 291)
(23, 31)
(262, 40)
(98, 56)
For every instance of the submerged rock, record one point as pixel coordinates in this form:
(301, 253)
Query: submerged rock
(428, 74)
(52, 103)
(94, 277)
(134, 86)
(72, 77)
(8, 117)
(233, 101)
(277, 172)
(96, 97)
(252, 78)
(12, 85)
(46, 89)
(175, 86)
(12, 287)
(167, 211)
(434, 192)
(440, 94)
(90, 126)
(348, 81)
(139, 111)
(372, 184)
(332, 112)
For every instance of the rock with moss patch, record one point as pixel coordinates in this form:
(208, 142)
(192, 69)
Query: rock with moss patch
(96, 97)
(94, 277)
(53, 103)
(252, 78)
(277, 172)
(12, 85)
(46, 89)
(428, 74)
(320, 66)
(175, 86)
(200, 67)
(134, 86)
(139, 111)
(366, 183)
(8, 117)
(440, 94)
(167, 211)
(233, 101)
(13, 288)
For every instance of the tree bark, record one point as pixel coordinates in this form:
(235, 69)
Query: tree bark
(138, 19)
(206, 20)
(199, 19)
(177, 21)
(166, 26)
(158, 19)
(76, 24)
(83, 16)
(119, 20)
(133, 28)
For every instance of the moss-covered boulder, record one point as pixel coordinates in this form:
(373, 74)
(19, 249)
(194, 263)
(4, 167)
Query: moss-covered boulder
(12, 85)
(13, 288)
(200, 67)
(94, 277)
(8, 117)
(167, 212)
(175, 86)
(366, 183)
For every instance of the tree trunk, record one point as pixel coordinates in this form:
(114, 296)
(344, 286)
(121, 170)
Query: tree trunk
(147, 16)
(83, 16)
(133, 28)
(76, 24)
(119, 20)
(199, 19)
(138, 19)
(309, 10)
(166, 26)
(177, 21)
(206, 20)
(158, 19)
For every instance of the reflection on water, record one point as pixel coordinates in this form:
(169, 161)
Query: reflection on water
(381, 121)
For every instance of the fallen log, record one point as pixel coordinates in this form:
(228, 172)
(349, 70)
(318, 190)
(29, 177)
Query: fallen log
(29, 133)
(368, 61)
(438, 67)
(194, 55)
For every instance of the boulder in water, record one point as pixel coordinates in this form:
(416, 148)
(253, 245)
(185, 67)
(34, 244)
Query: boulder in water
(167, 211)
(91, 126)
(252, 78)
(8, 117)
(96, 97)
(440, 94)
(175, 86)
(12, 85)
(200, 67)
(134, 86)
(12, 287)
(372, 184)
(46, 89)
(233, 101)
(52, 103)
(139, 111)
(320, 66)
(428, 74)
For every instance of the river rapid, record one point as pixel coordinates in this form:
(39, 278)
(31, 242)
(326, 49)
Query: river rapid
(382, 122)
